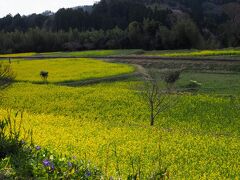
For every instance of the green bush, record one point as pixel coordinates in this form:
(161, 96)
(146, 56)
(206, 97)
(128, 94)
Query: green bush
(44, 75)
(171, 76)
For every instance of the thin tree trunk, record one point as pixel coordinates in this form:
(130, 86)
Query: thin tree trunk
(152, 120)
(152, 115)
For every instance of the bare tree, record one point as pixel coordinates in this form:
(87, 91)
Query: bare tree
(6, 75)
(158, 98)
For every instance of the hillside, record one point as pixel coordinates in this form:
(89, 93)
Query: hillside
(161, 24)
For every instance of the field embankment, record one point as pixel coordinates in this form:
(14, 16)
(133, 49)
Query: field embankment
(218, 54)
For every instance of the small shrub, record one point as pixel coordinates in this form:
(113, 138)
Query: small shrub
(44, 75)
(170, 77)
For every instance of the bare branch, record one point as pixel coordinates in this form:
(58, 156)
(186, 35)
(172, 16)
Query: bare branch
(158, 99)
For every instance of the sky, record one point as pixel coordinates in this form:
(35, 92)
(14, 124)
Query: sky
(26, 7)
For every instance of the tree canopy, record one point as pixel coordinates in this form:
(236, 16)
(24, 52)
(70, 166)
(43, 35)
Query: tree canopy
(146, 24)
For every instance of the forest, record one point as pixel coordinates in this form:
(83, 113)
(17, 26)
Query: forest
(124, 24)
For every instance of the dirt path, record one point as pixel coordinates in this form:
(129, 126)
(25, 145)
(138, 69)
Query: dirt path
(189, 64)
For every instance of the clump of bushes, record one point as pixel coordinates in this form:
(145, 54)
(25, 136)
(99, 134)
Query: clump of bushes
(170, 77)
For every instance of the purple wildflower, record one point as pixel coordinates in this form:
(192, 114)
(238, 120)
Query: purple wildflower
(70, 164)
(38, 148)
(87, 173)
(52, 167)
(46, 162)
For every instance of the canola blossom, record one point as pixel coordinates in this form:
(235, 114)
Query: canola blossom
(108, 125)
(66, 70)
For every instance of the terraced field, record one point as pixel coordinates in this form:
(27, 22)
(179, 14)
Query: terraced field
(196, 53)
(18, 54)
(92, 53)
(108, 123)
(64, 70)
(219, 53)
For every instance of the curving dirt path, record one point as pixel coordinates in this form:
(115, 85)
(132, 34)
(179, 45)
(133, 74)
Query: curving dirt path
(187, 63)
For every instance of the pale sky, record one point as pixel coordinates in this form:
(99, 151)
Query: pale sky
(26, 7)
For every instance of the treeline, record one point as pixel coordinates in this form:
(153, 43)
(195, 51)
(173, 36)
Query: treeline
(104, 15)
(112, 24)
(147, 35)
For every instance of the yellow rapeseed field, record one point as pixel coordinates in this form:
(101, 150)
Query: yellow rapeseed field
(62, 70)
(108, 124)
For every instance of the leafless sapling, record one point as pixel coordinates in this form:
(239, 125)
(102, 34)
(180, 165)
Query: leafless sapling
(158, 98)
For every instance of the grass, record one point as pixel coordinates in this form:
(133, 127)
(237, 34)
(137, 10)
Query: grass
(220, 83)
(108, 124)
(18, 54)
(230, 52)
(62, 70)
(195, 53)
(92, 53)
(89, 53)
